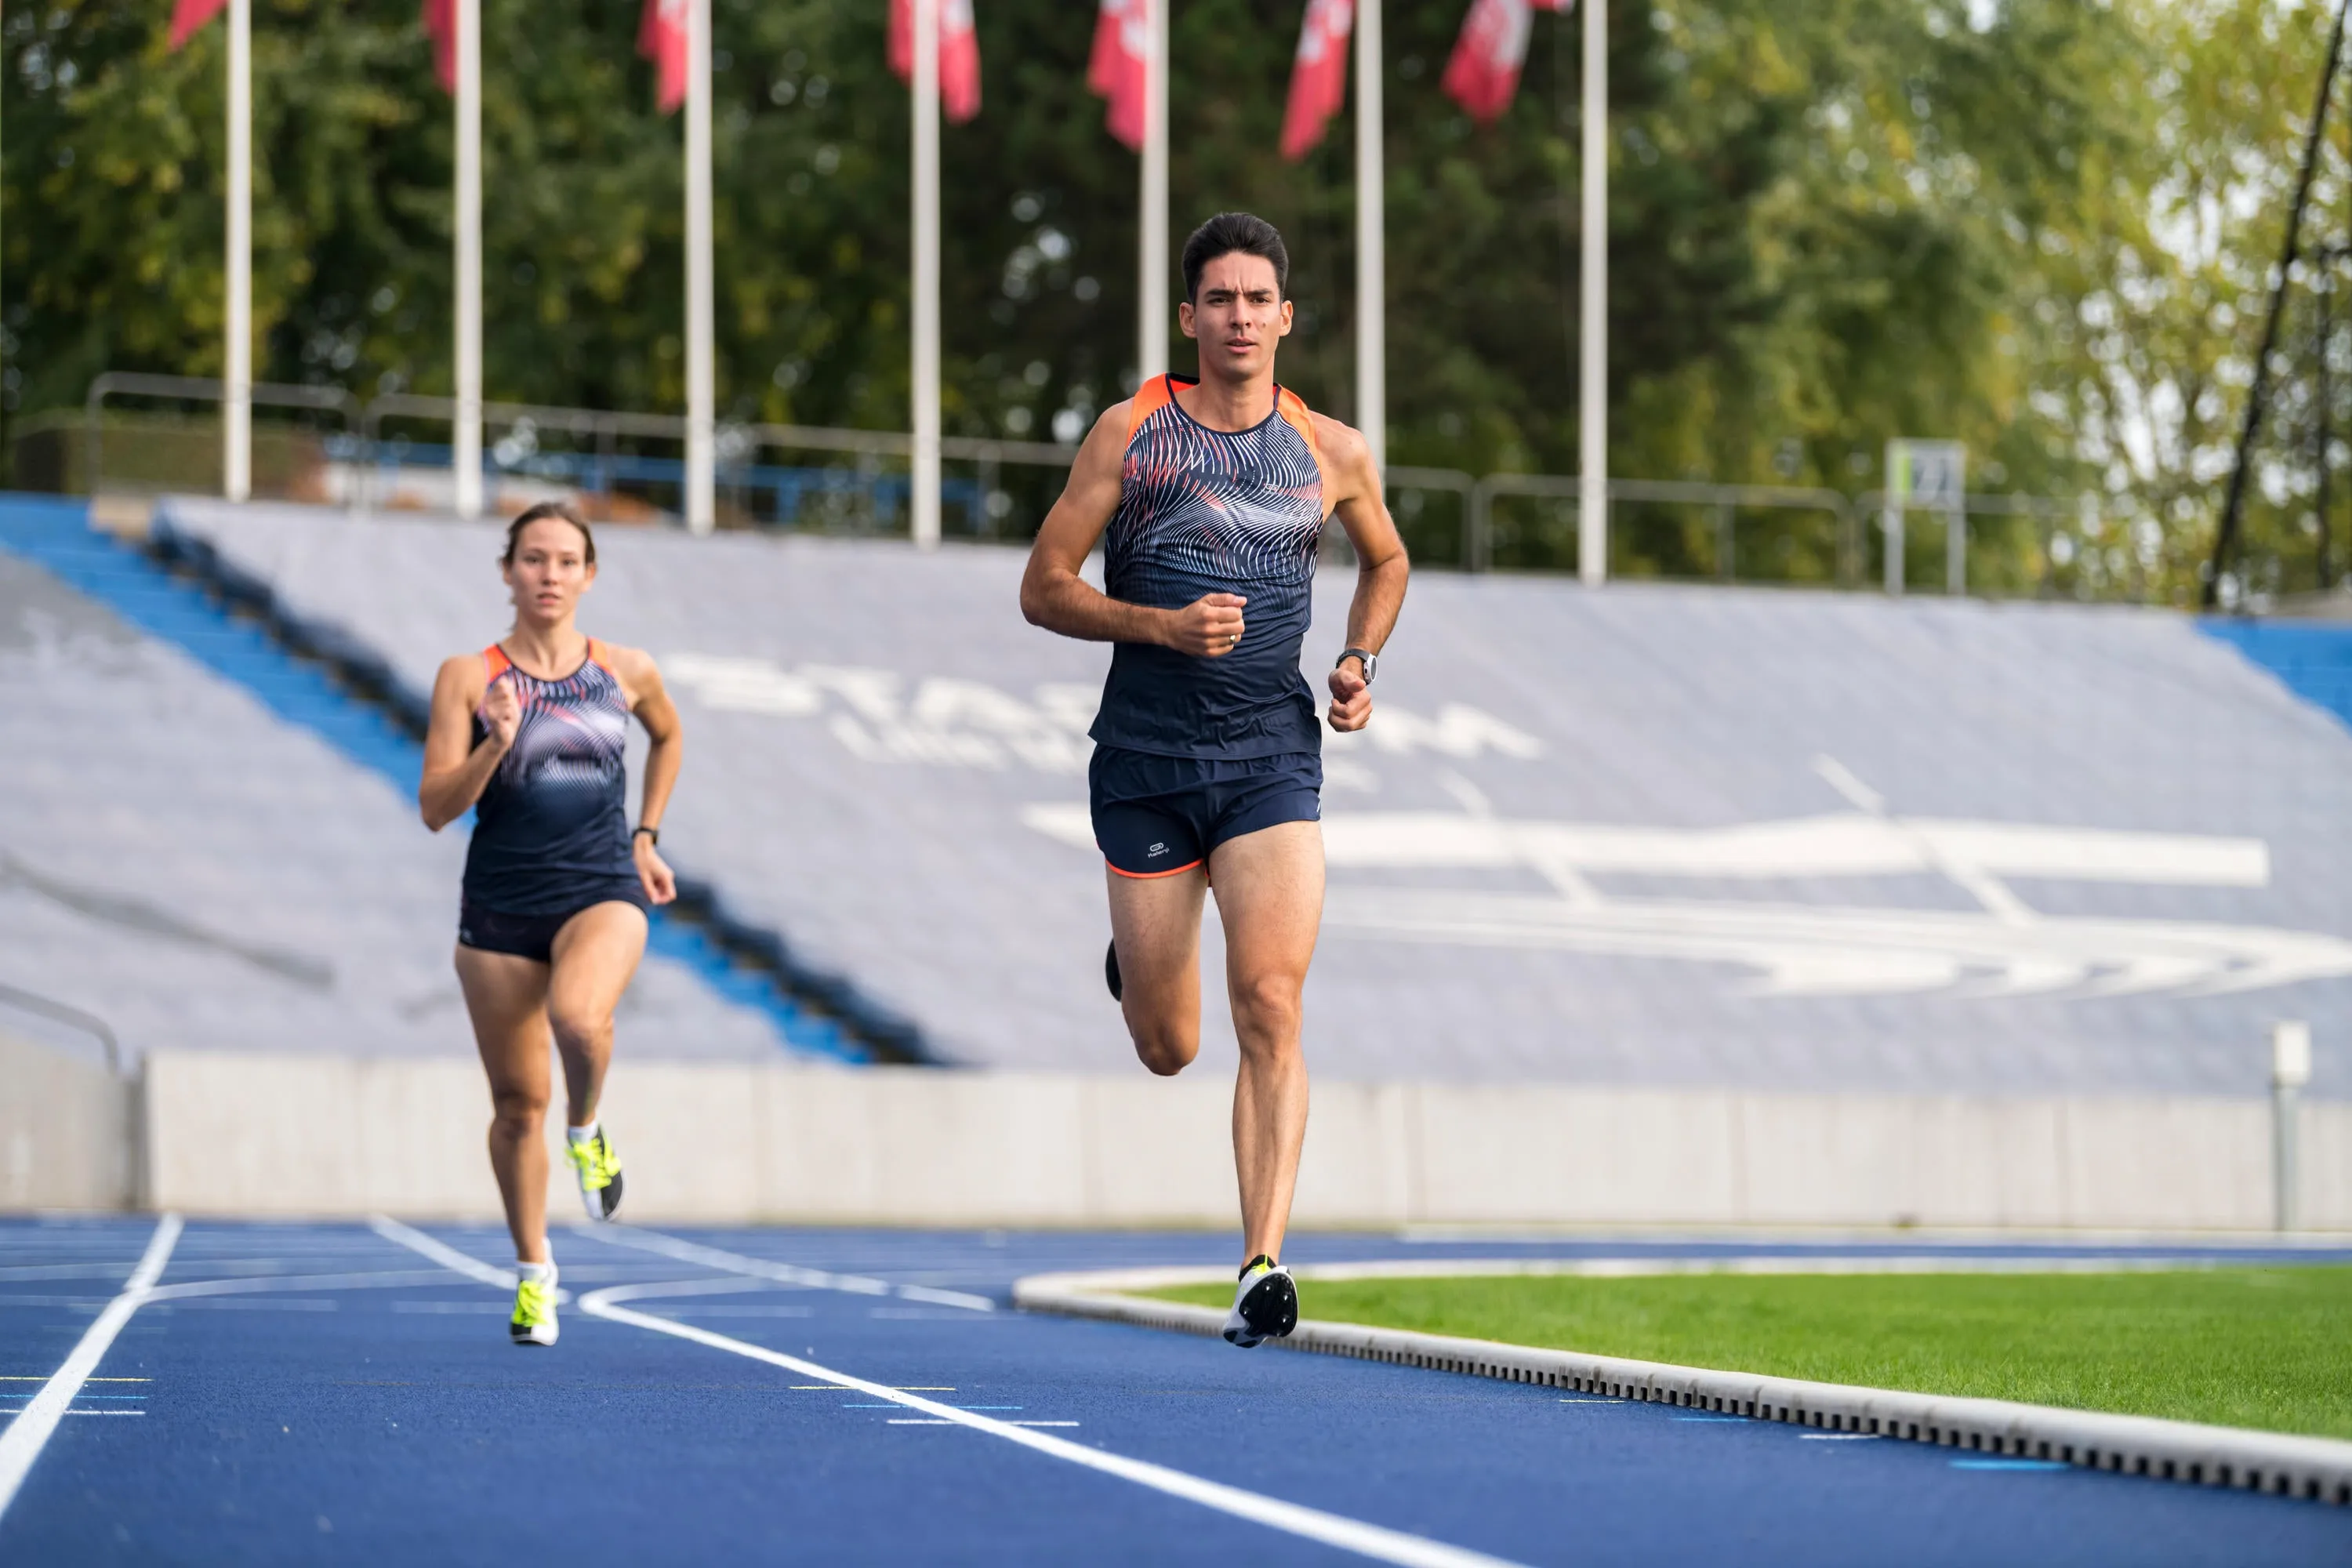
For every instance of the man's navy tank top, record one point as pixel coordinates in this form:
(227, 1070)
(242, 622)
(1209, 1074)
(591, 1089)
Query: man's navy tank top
(1212, 511)
(551, 830)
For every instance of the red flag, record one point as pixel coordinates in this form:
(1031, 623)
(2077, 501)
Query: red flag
(1119, 69)
(958, 54)
(1319, 75)
(187, 15)
(441, 26)
(661, 38)
(1483, 76)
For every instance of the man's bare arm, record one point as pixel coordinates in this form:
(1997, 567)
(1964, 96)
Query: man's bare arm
(1381, 569)
(1055, 596)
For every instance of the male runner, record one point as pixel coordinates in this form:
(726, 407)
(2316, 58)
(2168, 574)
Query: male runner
(1208, 763)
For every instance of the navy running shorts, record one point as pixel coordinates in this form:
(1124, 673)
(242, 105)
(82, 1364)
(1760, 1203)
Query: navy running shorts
(525, 936)
(1157, 815)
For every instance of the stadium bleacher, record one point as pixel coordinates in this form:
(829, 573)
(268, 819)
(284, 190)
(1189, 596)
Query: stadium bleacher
(1687, 836)
(183, 862)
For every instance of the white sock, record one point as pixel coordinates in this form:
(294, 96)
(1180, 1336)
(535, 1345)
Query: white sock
(581, 1135)
(537, 1273)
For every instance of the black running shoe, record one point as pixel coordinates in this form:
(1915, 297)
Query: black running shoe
(1110, 973)
(1265, 1304)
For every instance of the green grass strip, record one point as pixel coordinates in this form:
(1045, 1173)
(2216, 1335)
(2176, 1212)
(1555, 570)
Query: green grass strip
(2264, 1348)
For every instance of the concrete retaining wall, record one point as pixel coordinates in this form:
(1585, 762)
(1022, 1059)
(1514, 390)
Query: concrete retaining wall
(283, 1135)
(66, 1135)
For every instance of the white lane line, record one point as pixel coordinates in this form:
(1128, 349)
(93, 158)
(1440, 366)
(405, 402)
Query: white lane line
(783, 1273)
(449, 1257)
(381, 1280)
(1370, 1541)
(22, 1443)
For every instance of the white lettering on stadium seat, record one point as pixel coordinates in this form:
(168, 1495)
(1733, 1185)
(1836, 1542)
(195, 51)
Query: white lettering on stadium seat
(882, 715)
(1813, 949)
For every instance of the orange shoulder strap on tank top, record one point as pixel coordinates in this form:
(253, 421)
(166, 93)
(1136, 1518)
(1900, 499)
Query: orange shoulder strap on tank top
(1293, 408)
(495, 663)
(1150, 398)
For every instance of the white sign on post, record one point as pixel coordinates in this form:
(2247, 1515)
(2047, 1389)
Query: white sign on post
(1932, 475)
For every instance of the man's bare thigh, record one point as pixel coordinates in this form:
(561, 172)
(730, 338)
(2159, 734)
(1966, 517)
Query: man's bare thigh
(1269, 886)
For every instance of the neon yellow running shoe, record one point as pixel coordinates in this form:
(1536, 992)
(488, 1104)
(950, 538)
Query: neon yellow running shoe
(599, 1170)
(534, 1313)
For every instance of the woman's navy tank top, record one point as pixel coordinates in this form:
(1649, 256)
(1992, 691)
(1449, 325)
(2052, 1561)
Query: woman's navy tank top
(551, 830)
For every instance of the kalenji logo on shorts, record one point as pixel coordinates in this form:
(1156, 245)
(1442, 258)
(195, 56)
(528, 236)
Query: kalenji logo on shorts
(1157, 849)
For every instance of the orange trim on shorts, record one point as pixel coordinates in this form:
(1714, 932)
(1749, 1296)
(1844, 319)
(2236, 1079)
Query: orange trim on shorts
(1155, 875)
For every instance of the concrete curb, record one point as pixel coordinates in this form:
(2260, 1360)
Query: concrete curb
(2317, 1468)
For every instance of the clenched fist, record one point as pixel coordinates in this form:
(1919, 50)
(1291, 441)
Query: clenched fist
(501, 713)
(1351, 697)
(1208, 628)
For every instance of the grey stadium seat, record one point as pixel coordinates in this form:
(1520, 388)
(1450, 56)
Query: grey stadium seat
(1653, 835)
(202, 874)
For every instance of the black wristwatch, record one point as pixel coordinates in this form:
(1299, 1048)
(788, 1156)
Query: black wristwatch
(652, 832)
(1371, 661)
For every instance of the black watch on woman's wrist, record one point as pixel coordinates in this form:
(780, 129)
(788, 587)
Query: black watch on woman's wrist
(652, 832)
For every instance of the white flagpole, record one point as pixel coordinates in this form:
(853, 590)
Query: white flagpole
(926, 511)
(1592, 347)
(466, 440)
(702, 399)
(237, 369)
(1372, 239)
(1152, 350)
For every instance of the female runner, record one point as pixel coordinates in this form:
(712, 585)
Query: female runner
(530, 731)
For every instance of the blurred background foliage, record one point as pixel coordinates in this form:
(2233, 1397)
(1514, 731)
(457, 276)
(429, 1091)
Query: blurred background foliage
(2043, 228)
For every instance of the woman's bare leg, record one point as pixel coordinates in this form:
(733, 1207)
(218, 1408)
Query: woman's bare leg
(507, 996)
(595, 954)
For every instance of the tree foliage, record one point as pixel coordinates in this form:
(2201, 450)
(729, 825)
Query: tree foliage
(2041, 227)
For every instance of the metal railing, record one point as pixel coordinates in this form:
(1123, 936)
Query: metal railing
(89, 1023)
(195, 389)
(2045, 511)
(605, 430)
(1726, 500)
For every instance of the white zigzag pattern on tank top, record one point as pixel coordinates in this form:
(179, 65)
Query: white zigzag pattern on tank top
(1237, 507)
(573, 733)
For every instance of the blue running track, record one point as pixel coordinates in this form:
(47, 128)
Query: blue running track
(336, 1394)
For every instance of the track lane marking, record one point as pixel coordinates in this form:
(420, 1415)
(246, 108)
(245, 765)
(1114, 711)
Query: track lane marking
(22, 1443)
(615, 1235)
(1373, 1540)
(449, 1257)
(250, 1284)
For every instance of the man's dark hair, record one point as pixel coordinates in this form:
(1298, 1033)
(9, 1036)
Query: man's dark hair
(1228, 234)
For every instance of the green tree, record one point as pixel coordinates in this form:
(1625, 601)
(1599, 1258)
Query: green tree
(2039, 227)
